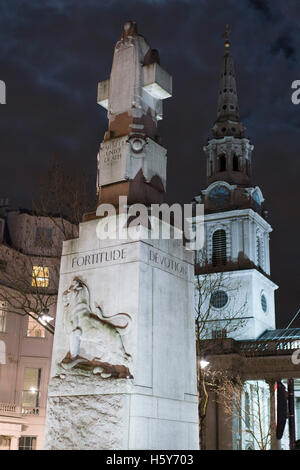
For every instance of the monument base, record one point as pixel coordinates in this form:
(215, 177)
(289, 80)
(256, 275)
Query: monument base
(124, 361)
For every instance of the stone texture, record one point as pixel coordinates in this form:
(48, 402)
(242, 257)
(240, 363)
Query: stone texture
(85, 422)
(153, 283)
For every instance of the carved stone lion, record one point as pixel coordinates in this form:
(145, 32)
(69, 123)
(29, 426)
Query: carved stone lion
(95, 339)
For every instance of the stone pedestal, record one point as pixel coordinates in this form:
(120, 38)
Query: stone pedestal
(134, 385)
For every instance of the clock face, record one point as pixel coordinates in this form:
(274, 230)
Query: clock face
(256, 197)
(264, 304)
(220, 195)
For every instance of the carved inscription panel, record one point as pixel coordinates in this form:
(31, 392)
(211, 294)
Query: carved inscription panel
(112, 161)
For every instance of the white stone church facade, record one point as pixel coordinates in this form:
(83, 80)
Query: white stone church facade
(237, 234)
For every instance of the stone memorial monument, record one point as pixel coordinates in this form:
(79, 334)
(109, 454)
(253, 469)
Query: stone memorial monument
(124, 364)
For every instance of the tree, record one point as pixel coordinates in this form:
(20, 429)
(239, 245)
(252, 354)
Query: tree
(225, 324)
(248, 403)
(65, 194)
(29, 263)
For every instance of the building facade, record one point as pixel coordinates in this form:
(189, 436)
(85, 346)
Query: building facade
(29, 263)
(235, 265)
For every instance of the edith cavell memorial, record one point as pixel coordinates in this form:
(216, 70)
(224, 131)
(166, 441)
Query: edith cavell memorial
(124, 364)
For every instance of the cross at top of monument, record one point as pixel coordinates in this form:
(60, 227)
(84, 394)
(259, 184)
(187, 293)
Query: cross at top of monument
(137, 85)
(131, 161)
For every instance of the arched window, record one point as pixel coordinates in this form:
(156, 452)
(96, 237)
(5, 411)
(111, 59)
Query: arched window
(222, 165)
(235, 163)
(219, 248)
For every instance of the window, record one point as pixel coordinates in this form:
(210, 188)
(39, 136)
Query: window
(297, 408)
(2, 352)
(219, 299)
(216, 334)
(5, 443)
(43, 236)
(35, 329)
(27, 443)
(40, 276)
(31, 389)
(219, 248)
(235, 163)
(3, 311)
(264, 304)
(247, 410)
(222, 160)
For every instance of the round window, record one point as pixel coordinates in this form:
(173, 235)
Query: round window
(219, 299)
(264, 304)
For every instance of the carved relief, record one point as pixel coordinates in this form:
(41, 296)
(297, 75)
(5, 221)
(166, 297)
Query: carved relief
(95, 339)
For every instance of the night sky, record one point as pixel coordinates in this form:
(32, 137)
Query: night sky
(54, 52)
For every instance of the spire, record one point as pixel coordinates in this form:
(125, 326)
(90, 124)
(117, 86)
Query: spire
(226, 36)
(228, 152)
(228, 118)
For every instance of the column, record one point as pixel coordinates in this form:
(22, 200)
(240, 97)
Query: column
(14, 443)
(275, 443)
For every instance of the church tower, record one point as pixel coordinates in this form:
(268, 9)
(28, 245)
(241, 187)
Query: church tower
(236, 252)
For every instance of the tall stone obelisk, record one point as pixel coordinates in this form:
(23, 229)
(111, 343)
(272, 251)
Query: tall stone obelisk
(124, 363)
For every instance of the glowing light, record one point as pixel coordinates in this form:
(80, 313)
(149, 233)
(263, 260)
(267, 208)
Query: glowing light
(45, 318)
(40, 276)
(203, 363)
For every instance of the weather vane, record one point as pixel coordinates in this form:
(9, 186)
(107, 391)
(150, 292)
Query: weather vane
(226, 36)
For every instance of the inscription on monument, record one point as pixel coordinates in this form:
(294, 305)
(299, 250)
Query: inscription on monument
(112, 161)
(168, 264)
(101, 257)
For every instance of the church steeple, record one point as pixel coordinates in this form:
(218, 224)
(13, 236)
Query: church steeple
(228, 116)
(236, 230)
(229, 152)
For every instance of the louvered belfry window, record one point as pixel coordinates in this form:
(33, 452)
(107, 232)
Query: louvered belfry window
(219, 248)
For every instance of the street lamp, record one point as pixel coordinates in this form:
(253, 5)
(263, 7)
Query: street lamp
(203, 363)
(45, 317)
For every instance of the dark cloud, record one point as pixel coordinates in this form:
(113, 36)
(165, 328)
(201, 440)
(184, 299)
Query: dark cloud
(284, 43)
(263, 7)
(54, 52)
